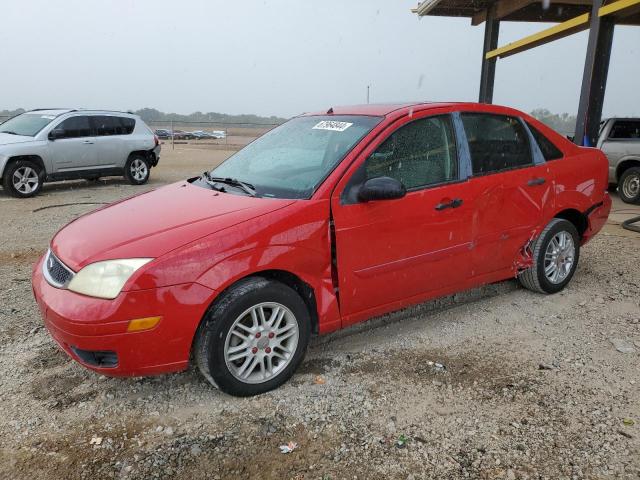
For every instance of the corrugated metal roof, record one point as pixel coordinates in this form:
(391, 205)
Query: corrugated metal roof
(514, 10)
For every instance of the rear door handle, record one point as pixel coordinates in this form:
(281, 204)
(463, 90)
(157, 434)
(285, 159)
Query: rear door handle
(455, 203)
(88, 142)
(535, 181)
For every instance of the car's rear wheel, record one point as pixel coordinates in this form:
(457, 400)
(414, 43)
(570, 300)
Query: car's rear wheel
(629, 185)
(555, 258)
(23, 178)
(137, 170)
(253, 338)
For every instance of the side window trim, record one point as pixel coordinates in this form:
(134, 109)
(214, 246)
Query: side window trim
(536, 153)
(544, 144)
(462, 146)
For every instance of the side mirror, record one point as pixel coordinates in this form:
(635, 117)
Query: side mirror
(56, 133)
(381, 188)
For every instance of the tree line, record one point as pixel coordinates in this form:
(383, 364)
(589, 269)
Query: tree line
(563, 122)
(153, 115)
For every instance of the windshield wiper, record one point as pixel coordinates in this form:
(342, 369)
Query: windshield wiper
(234, 182)
(9, 132)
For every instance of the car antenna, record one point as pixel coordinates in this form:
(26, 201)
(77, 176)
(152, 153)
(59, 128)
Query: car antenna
(330, 111)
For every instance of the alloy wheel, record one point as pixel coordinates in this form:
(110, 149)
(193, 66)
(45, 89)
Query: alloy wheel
(139, 170)
(559, 257)
(25, 180)
(261, 342)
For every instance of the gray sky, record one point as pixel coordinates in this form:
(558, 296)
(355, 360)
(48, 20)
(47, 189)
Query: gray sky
(277, 57)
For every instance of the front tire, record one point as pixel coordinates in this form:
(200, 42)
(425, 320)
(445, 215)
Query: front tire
(23, 179)
(253, 338)
(629, 185)
(137, 170)
(555, 258)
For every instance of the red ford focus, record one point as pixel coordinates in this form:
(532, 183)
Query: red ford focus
(323, 222)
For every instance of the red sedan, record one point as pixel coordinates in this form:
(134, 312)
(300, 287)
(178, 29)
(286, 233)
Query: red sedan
(323, 222)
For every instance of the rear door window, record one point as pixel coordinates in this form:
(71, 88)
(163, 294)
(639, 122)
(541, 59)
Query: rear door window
(626, 130)
(548, 149)
(106, 125)
(496, 142)
(418, 154)
(76, 127)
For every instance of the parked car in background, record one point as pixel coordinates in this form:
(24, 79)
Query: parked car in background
(219, 134)
(163, 134)
(620, 141)
(321, 223)
(200, 135)
(57, 144)
(182, 135)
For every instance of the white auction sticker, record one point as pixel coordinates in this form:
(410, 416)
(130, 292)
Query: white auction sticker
(47, 117)
(332, 125)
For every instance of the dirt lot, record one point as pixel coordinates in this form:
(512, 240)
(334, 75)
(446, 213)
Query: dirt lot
(532, 387)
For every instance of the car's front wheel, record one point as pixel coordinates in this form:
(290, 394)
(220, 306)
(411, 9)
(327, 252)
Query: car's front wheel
(253, 338)
(629, 185)
(137, 170)
(23, 178)
(555, 258)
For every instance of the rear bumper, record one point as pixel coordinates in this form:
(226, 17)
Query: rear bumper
(156, 155)
(81, 324)
(596, 218)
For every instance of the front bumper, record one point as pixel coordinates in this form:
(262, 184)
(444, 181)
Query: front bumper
(81, 324)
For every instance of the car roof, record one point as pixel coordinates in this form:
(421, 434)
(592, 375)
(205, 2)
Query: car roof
(384, 109)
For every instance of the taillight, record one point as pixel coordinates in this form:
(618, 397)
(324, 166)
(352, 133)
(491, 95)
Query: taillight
(157, 140)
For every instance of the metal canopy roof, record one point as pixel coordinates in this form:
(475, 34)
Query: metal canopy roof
(570, 16)
(517, 10)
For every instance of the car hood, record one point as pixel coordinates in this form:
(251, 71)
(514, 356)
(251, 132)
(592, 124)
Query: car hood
(8, 139)
(154, 223)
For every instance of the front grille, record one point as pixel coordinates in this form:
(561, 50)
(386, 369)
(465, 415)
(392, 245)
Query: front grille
(56, 272)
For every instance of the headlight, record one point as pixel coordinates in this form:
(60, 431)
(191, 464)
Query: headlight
(105, 279)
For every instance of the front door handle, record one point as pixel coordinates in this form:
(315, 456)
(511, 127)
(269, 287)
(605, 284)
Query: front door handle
(535, 181)
(455, 203)
(88, 142)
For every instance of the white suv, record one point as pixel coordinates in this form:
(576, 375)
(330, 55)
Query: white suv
(49, 145)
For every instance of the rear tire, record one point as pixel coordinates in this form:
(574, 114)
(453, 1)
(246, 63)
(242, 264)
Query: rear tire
(253, 337)
(555, 256)
(137, 170)
(629, 185)
(23, 179)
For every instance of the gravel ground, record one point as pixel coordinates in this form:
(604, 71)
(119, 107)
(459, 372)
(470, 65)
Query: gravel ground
(530, 387)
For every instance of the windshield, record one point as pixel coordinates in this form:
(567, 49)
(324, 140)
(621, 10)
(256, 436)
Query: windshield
(291, 160)
(27, 124)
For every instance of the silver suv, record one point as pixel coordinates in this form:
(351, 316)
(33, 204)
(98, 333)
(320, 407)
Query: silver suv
(55, 144)
(620, 141)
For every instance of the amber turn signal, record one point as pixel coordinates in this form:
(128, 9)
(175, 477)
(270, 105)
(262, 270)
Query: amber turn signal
(140, 324)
